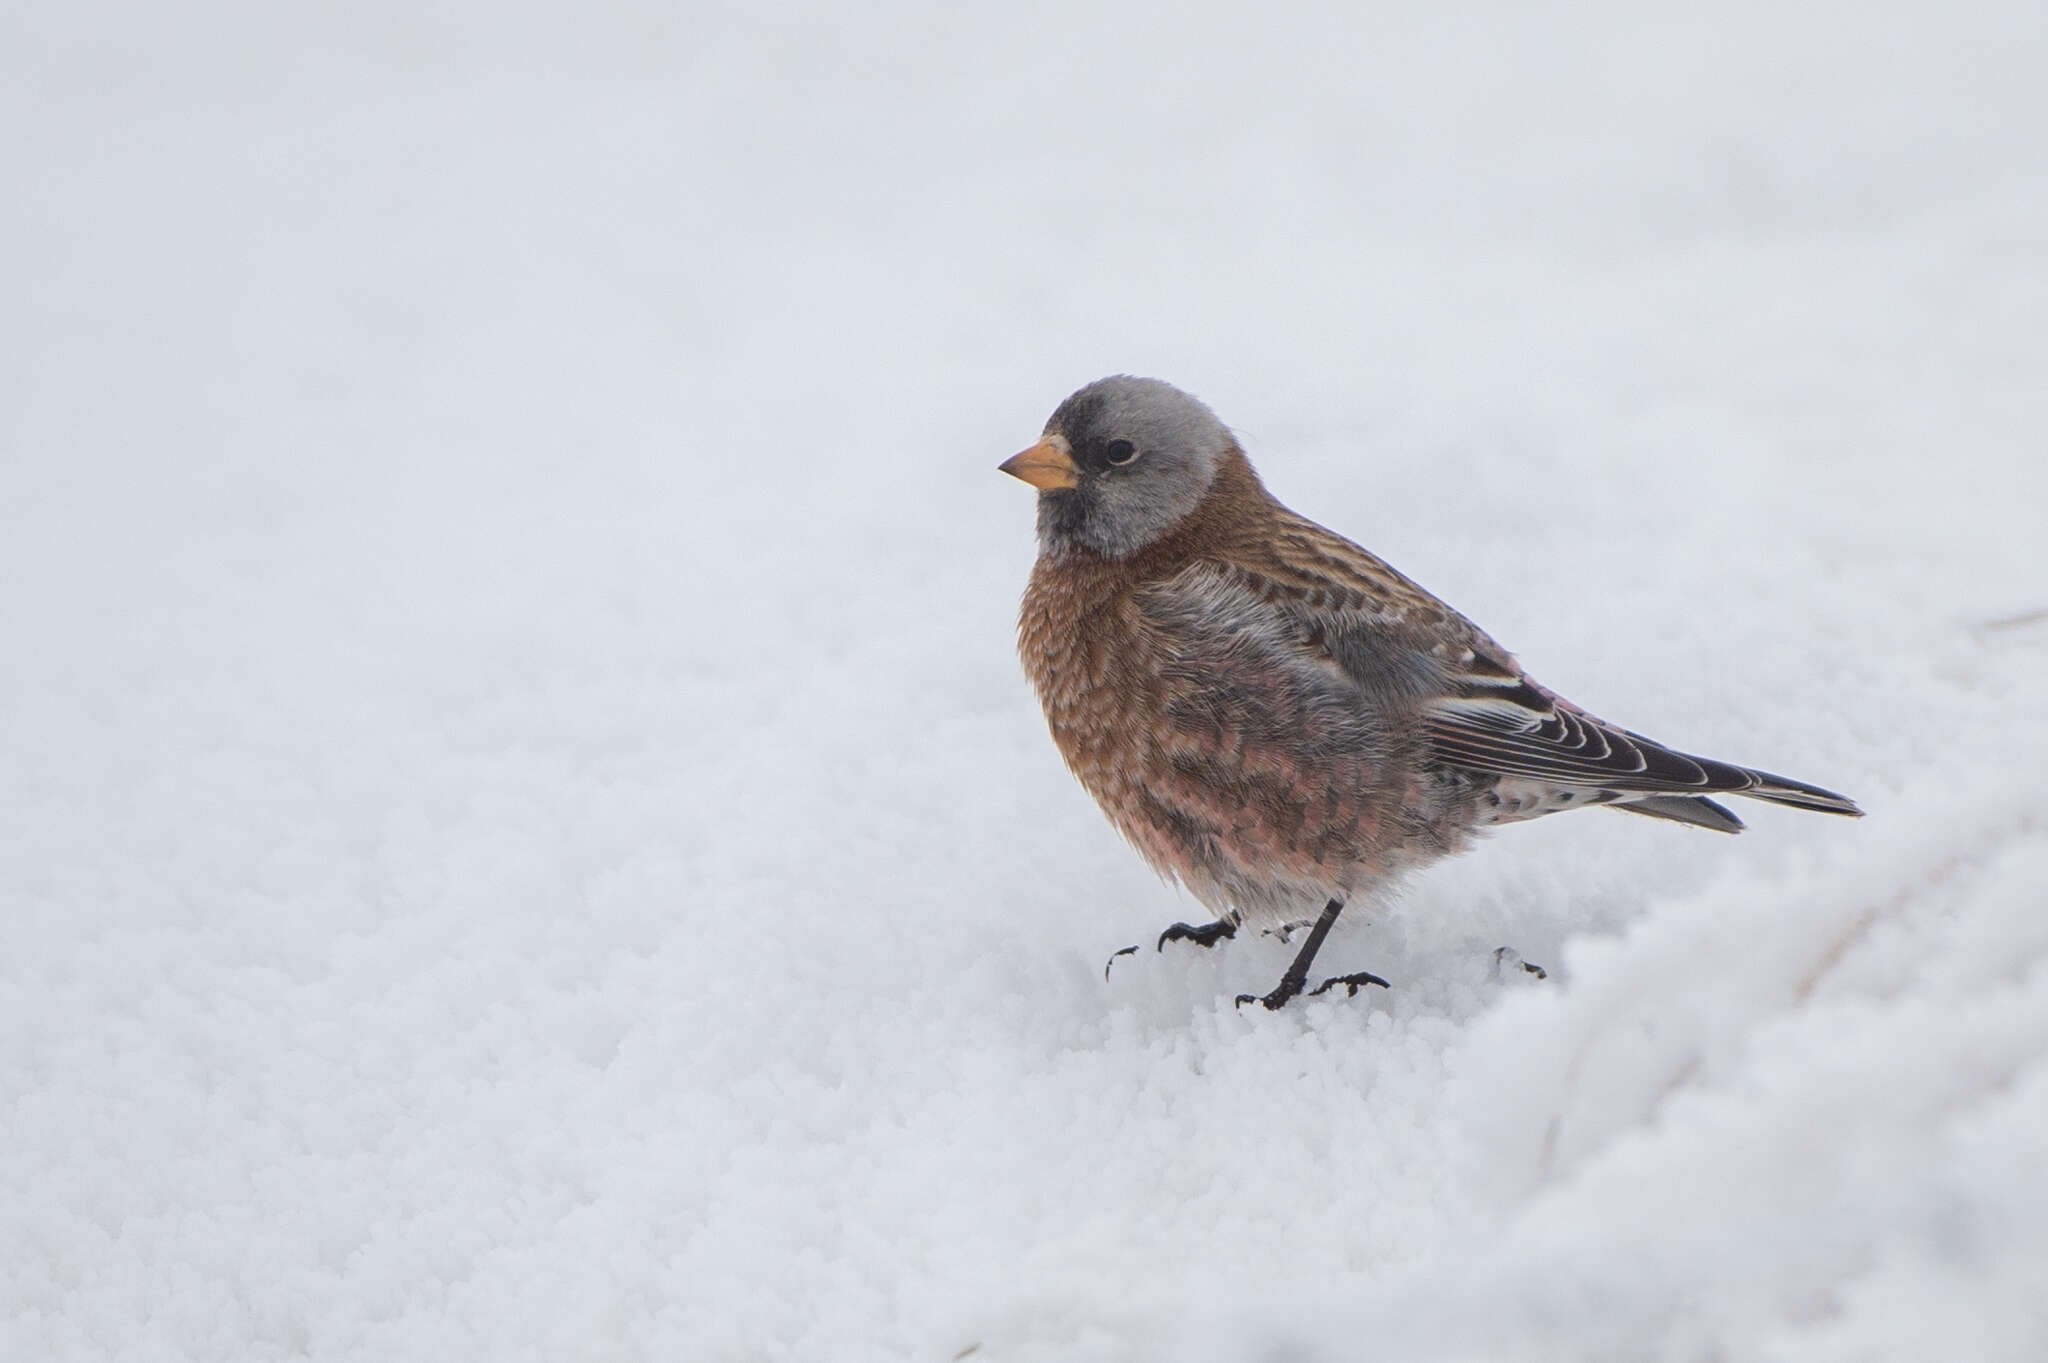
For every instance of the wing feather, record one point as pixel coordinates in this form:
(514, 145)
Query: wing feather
(1478, 709)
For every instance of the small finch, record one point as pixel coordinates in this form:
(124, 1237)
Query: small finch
(1273, 716)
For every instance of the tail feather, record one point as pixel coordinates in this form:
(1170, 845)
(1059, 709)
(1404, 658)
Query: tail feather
(1696, 810)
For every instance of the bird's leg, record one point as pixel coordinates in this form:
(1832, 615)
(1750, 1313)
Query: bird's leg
(1202, 935)
(1508, 958)
(1297, 973)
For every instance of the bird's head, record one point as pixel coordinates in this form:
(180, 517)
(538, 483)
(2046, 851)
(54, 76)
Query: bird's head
(1121, 462)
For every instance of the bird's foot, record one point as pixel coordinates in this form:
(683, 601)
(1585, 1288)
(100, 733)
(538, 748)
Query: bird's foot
(1297, 973)
(1288, 988)
(1202, 935)
(1508, 959)
(1352, 983)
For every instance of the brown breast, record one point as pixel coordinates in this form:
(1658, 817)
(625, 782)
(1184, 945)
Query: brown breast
(1219, 768)
(1201, 804)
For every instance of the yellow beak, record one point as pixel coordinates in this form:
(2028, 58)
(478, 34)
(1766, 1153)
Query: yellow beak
(1047, 465)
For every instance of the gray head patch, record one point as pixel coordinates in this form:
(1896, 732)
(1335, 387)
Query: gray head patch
(1146, 454)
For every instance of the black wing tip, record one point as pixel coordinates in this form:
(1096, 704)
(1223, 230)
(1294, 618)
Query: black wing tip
(1783, 790)
(1725, 778)
(1573, 748)
(1822, 803)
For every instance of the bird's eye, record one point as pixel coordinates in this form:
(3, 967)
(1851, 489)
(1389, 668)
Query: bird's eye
(1119, 452)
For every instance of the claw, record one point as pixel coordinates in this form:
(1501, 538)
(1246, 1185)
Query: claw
(1507, 956)
(1112, 958)
(1297, 973)
(1352, 983)
(1205, 935)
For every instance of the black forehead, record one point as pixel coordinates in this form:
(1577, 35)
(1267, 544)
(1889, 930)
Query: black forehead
(1083, 416)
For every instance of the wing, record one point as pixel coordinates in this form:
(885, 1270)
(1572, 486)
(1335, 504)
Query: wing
(1246, 668)
(1495, 719)
(1266, 762)
(1479, 710)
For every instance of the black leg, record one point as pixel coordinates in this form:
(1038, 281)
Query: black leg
(1297, 973)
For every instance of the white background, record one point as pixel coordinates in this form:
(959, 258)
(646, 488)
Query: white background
(522, 835)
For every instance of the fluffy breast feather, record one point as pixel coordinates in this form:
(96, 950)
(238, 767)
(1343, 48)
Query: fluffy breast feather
(1214, 730)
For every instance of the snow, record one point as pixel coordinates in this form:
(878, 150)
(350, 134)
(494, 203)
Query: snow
(522, 835)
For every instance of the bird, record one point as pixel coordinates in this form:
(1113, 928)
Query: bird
(1272, 715)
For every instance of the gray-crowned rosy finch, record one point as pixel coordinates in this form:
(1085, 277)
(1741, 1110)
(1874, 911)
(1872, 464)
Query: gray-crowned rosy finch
(1272, 715)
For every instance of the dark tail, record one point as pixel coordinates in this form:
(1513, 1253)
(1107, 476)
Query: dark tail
(1696, 810)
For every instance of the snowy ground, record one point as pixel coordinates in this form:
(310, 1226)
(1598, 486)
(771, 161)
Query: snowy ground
(522, 836)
